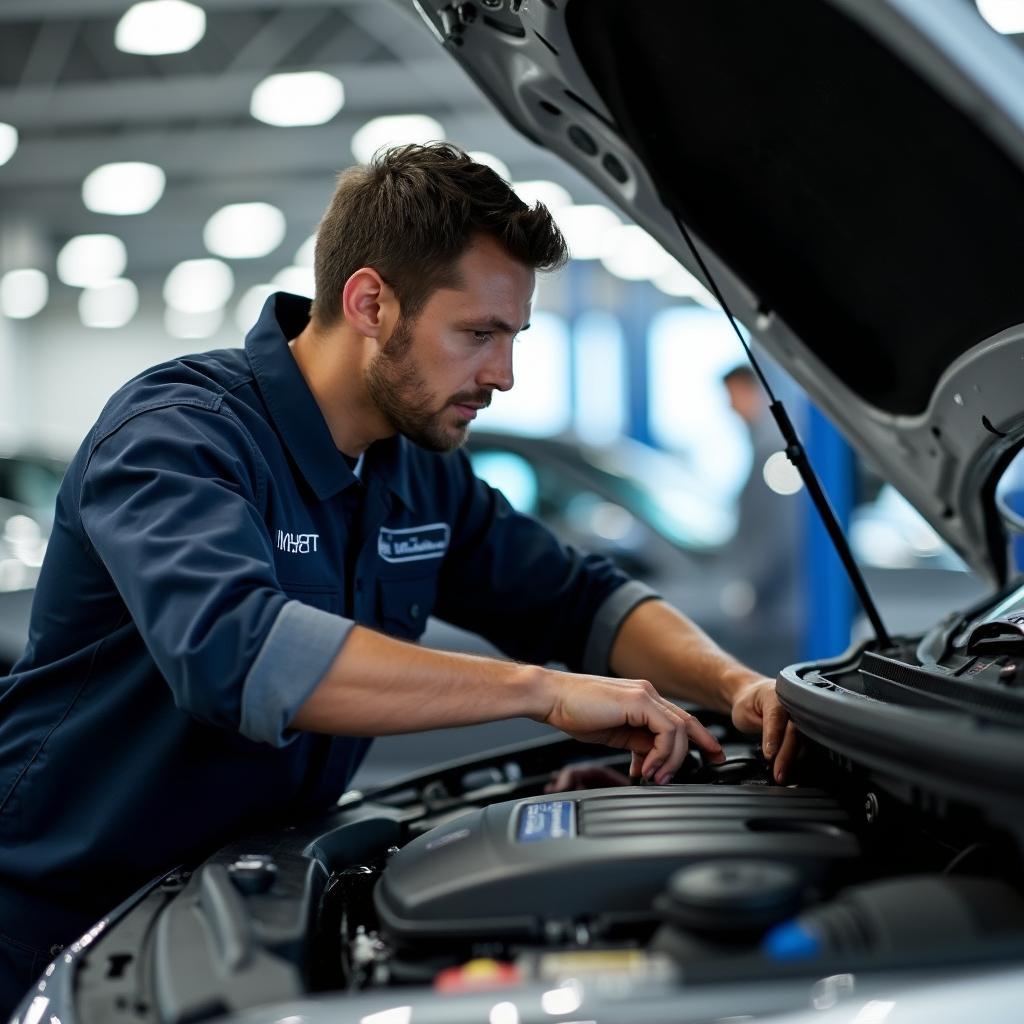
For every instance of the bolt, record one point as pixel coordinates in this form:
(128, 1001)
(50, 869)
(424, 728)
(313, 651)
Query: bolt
(871, 808)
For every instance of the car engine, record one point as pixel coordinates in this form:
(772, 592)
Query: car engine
(474, 877)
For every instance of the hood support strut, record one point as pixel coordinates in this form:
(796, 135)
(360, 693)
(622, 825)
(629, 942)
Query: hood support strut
(797, 455)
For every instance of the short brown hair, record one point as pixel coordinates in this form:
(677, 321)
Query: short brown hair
(410, 213)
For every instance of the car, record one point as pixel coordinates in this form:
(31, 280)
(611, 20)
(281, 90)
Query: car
(851, 176)
(29, 480)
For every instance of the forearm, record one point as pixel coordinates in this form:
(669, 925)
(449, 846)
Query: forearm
(378, 686)
(658, 643)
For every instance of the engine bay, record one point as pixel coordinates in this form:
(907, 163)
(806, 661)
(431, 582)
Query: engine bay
(474, 878)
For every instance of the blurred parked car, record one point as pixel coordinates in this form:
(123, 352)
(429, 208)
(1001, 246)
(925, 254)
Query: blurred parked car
(28, 491)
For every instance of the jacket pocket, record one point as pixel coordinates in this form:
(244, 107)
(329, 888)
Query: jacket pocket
(404, 605)
(323, 596)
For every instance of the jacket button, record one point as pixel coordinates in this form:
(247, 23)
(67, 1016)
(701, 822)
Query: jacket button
(414, 611)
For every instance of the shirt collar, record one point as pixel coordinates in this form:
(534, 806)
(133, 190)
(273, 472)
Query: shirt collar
(296, 415)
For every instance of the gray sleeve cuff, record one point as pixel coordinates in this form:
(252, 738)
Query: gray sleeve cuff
(609, 618)
(300, 646)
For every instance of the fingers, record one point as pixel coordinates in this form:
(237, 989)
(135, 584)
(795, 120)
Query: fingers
(704, 740)
(787, 752)
(684, 728)
(774, 726)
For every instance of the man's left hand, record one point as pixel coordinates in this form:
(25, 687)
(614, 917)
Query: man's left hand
(756, 709)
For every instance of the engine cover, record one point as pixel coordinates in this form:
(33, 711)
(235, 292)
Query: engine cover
(510, 868)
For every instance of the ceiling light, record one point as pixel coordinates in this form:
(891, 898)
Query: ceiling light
(250, 305)
(199, 286)
(550, 193)
(111, 304)
(490, 160)
(302, 97)
(91, 260)
(160, 26)
(23, 293)
(123, 188)
(394, 130)
(297, 280)
(305, 252)
(8, 141)
(630, 253)
(1006, 16)
(677, 281)
(585, 228)
(244, 230)
(180, 324)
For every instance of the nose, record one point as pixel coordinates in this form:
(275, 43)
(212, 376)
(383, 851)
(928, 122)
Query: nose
(496, 372)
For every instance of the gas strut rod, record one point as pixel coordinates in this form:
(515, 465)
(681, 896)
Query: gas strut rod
(797, 455)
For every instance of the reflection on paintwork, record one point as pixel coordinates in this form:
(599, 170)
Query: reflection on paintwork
(564, 999)
(396, 1015)
(503, 1013)
(829, 991)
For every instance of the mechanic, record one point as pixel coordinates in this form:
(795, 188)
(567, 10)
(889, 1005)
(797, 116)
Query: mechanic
(248, 540)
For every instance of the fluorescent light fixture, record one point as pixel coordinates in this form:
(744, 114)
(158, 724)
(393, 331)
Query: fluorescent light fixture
(678, 282)
(297, 280)
(111, 304)
(394, 130)
(305, 252)
(123, 188)
(180, 324)
(297, 98)
(88, 260)
(160, 26)
(630, 253)
(8, 141)
(244, 230)
(199, 286)
(1006, 16)
(490, 160)
(23, 293)
(585, 228)
(550, 193)
(250, 305)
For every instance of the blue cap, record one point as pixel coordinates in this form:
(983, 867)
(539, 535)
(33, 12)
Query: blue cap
(791, 940)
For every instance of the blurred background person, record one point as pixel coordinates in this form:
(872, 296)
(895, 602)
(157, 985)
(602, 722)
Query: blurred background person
(761, 560)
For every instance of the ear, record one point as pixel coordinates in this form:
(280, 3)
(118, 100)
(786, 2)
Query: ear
(369, 304)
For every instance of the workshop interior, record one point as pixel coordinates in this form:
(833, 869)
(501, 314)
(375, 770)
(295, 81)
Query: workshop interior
(778, 381)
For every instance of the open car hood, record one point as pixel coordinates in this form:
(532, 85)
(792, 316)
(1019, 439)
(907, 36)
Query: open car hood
(853, 171)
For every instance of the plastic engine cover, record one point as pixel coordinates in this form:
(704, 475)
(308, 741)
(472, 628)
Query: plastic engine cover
(505, 870)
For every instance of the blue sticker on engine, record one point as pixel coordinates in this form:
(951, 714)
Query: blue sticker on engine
(552, 820)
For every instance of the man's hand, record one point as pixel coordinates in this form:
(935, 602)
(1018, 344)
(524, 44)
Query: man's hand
(756, 709)
(630, 714)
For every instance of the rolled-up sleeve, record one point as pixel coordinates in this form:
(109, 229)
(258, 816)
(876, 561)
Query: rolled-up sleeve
(171, 502)
(509, 578)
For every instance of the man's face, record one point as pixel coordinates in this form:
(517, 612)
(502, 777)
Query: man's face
(434, 373)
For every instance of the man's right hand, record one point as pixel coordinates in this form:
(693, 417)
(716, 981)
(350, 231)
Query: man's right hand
(629, 714)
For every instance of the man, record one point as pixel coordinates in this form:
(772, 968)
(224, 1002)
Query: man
(243, 535)
(763, 553)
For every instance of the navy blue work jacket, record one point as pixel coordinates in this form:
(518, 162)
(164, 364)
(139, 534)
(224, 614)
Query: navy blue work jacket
(195, 591)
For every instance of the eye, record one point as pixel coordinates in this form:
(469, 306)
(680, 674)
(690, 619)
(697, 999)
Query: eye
(481, 336)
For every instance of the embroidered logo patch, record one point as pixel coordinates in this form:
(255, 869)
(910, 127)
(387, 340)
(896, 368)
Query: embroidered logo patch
(297, 543)
(413, 543)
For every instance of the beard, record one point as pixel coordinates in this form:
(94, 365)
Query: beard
(399, 391)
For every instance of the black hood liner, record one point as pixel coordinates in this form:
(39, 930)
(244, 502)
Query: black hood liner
(871, 215)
